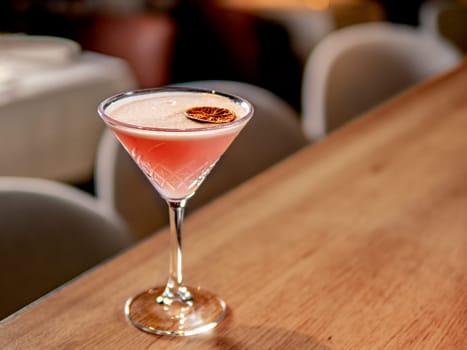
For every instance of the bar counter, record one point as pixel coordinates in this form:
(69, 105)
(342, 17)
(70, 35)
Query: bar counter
(356, 242)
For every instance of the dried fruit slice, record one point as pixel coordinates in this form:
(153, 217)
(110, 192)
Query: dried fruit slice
(207, 114)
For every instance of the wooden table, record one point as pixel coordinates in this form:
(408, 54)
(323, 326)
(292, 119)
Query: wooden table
(358, 242)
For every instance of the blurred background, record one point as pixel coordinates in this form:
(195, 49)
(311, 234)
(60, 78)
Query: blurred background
(165, 41)
(48, 98)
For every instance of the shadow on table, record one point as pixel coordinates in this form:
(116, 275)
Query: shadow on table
(262, 338)
(253, 338)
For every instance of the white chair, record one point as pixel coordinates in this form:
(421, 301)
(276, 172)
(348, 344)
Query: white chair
(356, 68)
(49, 233)
(305, 27)
(446, 19)
(273, 133)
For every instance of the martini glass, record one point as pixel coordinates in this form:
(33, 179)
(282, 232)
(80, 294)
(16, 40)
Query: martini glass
(176, 154)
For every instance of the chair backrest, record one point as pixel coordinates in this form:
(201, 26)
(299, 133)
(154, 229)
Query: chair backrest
(49, 233)
(305, 27)
(273, 133)
(358, 67)
(445, 19)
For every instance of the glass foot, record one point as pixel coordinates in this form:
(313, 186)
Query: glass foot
(151, 313)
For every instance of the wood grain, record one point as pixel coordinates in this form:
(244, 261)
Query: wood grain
(357, 242)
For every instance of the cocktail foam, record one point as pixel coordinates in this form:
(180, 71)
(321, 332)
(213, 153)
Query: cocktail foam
(166, 110)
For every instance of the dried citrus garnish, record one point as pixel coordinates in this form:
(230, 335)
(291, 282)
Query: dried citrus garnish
(207, 114)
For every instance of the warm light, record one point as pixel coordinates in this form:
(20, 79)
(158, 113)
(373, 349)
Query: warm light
(313, 5)
(317, 4)
(275, 4)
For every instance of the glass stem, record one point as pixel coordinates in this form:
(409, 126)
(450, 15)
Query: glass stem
(175, 290)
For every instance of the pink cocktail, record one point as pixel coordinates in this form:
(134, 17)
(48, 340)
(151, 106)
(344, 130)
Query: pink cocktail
(176, 165)
(176, 153)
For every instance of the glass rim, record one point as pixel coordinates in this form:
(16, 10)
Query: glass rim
(140, 92)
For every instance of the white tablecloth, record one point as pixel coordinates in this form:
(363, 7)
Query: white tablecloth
(49, 126)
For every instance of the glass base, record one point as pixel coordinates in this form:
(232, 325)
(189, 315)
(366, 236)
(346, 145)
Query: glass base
(152, 313)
